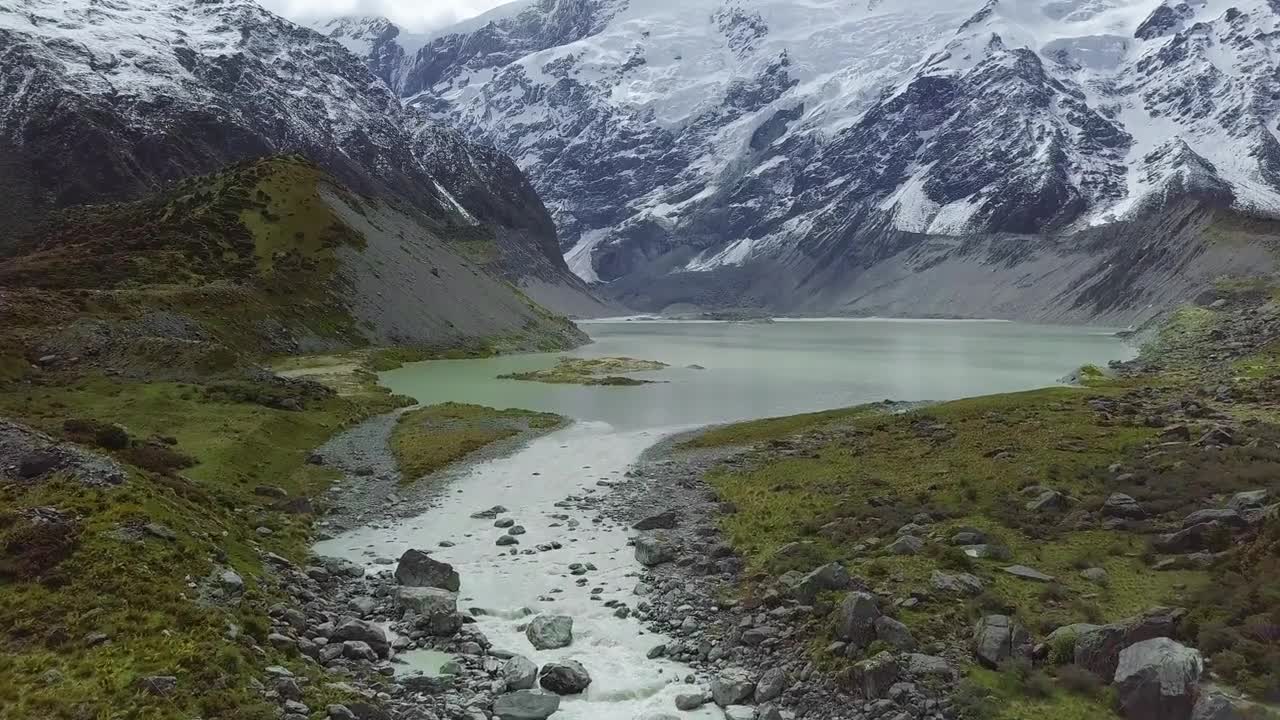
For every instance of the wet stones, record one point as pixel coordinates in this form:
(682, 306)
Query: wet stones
(489, 514)
(550, 632)
(427, 601)
(519, 673)
(418, 569)
(361, 631)
(526, 705)
(564, 678)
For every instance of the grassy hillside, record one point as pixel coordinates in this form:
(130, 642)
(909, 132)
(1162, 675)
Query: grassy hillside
(842, 485)
(141, 332)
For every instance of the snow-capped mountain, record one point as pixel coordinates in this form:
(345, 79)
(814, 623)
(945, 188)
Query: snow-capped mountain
(670, 138)
(106, 99)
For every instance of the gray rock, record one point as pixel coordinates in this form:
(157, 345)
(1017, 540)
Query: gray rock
(872, 678)
(1026, 573)
(772, 684)
(1229, 518)
(1098, 650)
(526, 705)
(666, 520)
(956, 584)
(1248, 500)
(506, 540)
(857, 619)
(550, 632)
(732, 686)
(997, 638)
(418, 569)
(564, 678)
(427, 601)
(1119, 505)
(905, 545)
(367, 632)
(653, 550)
(969, 536)
(358, 650)
(988, 552)
(339, 712)
(1192, 539)
(1215, 706)
(691, 701)
(1157, 679)
(740, 712)
(829, 577)
(1048, 501)
(930, 666)
(340, 567)
(519, 672)
(895, 634)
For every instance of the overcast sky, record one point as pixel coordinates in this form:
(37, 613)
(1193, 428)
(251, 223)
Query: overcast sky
(414, 15)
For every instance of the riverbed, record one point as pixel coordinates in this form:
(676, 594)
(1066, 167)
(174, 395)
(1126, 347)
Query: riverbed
(719, 372)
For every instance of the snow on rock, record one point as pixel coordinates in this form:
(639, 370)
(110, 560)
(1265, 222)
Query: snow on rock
(710, 132)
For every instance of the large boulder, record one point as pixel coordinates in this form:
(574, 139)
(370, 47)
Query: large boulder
(526, 705)
(997, 638)
(1098, 650)
(519, 673)
(418, 569)
(857, 619)
(564, 678)
(732, 686)
(1203, 536)
(872, 678)
(1228, 517)
(1247, 500)
(550, 632)
(1158, 679)
(829, 577)
(361, 631)
(905, 545)
(427, 601)
(653, 550)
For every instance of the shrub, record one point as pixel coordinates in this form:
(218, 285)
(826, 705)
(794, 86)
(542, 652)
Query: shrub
(158, 458)
(1075, 679)
(112, 437)
(975, 702)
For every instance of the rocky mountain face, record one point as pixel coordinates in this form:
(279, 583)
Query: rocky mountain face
(108, 101)
(686, 148)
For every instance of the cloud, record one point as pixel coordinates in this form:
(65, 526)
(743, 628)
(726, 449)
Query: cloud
(413, 15)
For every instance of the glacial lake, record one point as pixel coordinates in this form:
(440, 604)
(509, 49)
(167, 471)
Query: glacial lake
(755, 370)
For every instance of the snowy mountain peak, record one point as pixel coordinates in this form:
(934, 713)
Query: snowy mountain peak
(670, 136)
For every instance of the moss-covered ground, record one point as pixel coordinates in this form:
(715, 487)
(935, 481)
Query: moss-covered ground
(139, 589)
(428, 439)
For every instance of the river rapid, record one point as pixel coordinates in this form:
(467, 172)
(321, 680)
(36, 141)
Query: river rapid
(744, 371)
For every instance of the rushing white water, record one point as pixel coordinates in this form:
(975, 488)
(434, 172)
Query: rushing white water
(752, 370)
(625, 684)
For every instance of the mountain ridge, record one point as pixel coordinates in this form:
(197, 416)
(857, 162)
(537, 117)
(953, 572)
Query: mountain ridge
(683, 138)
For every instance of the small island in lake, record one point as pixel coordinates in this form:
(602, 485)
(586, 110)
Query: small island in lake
(591, 371)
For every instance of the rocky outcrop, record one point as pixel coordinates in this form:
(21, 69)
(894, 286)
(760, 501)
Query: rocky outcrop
(997, 638)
